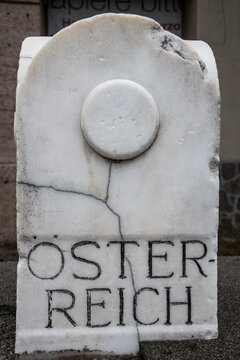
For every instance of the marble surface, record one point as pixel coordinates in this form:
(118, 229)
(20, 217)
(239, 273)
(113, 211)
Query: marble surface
(119, 119)
(116, 252)
(226, 346)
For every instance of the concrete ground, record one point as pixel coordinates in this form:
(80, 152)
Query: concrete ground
(226, 347)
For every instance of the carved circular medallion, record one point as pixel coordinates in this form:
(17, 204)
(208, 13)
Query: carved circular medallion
(119, 119)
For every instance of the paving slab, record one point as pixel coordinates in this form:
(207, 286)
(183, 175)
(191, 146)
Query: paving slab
(226, 347)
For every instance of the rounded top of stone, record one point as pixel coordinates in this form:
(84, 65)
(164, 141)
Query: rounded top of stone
(119, 119)
(79, 58)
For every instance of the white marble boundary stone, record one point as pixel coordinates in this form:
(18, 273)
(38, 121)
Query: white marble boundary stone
(73, 204)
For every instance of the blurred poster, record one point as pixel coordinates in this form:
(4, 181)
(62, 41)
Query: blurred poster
(62, 13)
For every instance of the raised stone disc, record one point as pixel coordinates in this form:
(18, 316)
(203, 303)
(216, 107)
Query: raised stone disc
(119, 119)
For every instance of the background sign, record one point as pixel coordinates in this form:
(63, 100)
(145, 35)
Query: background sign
(62, 13)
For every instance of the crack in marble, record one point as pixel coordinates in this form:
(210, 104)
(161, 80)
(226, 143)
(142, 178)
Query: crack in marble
(107, 204)
(134, 288)
(122, 239)
(81, 193)
(109, 179)
(60, 190)
(105, 201)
